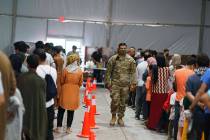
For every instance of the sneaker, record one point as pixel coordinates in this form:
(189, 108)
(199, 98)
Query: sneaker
(57, 130)
(68, 130)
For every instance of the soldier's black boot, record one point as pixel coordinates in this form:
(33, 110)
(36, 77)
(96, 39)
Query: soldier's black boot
(113, 120)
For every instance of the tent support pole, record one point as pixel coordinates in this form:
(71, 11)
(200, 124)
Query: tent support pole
(109, 24)
(14, 15)
(202, 23)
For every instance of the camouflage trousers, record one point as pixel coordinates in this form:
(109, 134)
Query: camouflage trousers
(119, 95)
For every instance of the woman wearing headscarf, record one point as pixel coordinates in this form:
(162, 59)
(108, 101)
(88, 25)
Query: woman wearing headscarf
(160, 75)
(175, 64)
(18, 63)
(8, 87)
(148, 84)
(69, 99)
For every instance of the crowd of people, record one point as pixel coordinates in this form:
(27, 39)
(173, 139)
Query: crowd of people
(32, 85)
(170, 94)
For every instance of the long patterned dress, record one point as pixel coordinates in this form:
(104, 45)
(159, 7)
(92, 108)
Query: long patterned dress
(159, 96)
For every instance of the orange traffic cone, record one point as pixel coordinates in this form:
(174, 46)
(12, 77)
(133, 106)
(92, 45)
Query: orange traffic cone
(87, 90)
(92, 118)
(90, 88)
(88, 84)
(92, 136)
(85, 96)
(94, 105)
(86, 125)
(89, 101)
(94, 84)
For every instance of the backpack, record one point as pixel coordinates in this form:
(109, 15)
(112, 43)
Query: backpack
(51, 90)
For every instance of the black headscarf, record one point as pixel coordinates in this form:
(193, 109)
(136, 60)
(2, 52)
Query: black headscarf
(161, 62)
(17, 61)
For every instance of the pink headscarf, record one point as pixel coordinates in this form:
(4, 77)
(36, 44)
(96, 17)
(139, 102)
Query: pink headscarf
(151, 61)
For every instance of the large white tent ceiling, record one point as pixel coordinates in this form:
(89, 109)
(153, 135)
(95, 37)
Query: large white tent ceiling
(149, 11)
(75, 9)
(34, 20)
(157, 11)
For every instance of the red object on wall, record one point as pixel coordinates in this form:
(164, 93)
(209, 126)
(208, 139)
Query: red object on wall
(61, 19)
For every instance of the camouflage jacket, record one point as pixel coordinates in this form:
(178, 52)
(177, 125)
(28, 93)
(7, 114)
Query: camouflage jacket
(121, 71)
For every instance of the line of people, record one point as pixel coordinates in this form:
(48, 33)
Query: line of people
(172, 97)
(171, 93)
(34, 84)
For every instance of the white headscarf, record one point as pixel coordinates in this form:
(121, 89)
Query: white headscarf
(72, 67)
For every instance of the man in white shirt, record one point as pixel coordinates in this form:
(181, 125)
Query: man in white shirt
(140, 89)
(43, 69)
(50, 60)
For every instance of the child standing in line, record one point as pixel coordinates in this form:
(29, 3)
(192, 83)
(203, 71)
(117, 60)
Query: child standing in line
(164, 120)
(172, 115)
(148, 85)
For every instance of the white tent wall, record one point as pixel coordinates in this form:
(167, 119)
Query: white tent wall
(5, 24)
(6, 6)
(182, 40)
(95, 35)
(70, 29)
(157, 11)
(208, 13)
(76, 9)
(30, 29)
(206, 44)
(206, 39)
(5, 31)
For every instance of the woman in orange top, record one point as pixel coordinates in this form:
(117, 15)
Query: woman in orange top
(148, 85)
(69, 99)
(59, 62)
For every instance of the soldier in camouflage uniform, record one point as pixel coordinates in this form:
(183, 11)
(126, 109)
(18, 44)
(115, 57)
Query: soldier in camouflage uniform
(120, 77)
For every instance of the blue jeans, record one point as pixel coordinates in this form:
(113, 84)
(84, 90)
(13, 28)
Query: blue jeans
(207, 127)
(141, 101)
(198, 124)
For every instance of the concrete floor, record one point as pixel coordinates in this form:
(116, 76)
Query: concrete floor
(133, 130)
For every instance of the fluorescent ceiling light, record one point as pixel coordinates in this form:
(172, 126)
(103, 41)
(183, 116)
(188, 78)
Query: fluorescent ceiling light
(154, 25)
